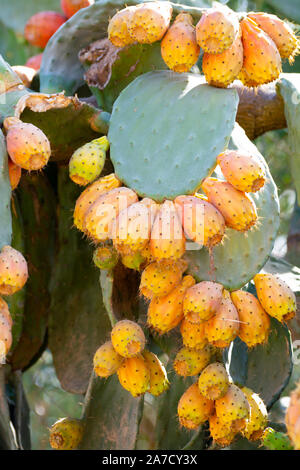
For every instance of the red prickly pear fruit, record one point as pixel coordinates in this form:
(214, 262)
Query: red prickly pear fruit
(15, 173)
(161, 277)
(70, 7)
(90, 195)
(134, 375)
(201, 221)
(35, 61)
(193, 334)
(222, 433)
(202, 301)
(167, 237)
(217, 30)
(118, 33)
(13, 271)
(4, 313)
(242, 171)
(159, 382)
(128, 338)
(149, 21)
(223, 328)
(106, 360)
(193, 408)
(237, 208)
(189, 362)
(179, 48)
(275, 296)
(165, 313)
(27, 145)
(213, 382)
(41, 26)
(292, 418)
(254, 321)
(258, 418)
(66, 434)
(105, 257)
(87, 162)
(262, 61)
(233, 408)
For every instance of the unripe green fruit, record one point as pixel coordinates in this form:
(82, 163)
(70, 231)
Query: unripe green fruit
(105, 257)
(87, 162)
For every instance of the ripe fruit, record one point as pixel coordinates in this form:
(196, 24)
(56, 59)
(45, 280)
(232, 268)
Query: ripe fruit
(70, 7)
(242, 171)
(128, 338)
(233, 408)
(165, 313)
(258, 419)
(13, 270)
(66, 434)
(41, 26)
(35, 61)
(4, 313)
(179, 48)
(193, 334)
(134, 375)
(213, 382)
(105, 257)
(254, 322)
(87, 162)
(118, 33)
(201, 221)
(106, 360)
(149, 21)
(292, 418)
(193, 408)
(5, 337)
(15, 173)
(27, 145)
(237, 208)
(221, 433)
(221, 329)
(190, 362)
(201, 301)
(158, 376)
(276, 297)
(160, 277)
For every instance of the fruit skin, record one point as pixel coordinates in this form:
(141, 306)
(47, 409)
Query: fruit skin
(134, 260)
(70, 7)
(193, 334)
(292, 418)
(106, 360)
(201, 301)
(165, 313)
(128, 338)
(118, 33)
(41, 26)
(87, 162)
(262, 61)
(237, 208)
(223, 328)
(213, 382)
(105, 257)
(27, 145)
(134, 375)
(15, 173)
(5, 337)
(179, 48)
(189, 362)
(161, 277)
(233, 408)
(66, 434)
(149, 21)
(221, 433)
(4, 313)
(193, 408)
(275, 296)
(258, 419)
(159, 382)
(201, 221)
(13, 270)
(35, 61)
(242, 171)
(275, 440)
(254, 321)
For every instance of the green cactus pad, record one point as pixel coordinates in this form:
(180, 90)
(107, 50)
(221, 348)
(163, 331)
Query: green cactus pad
(5, 195)
(166, 131)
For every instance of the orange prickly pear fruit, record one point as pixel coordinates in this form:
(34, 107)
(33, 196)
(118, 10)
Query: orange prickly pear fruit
(179, 48)
(167, 237)
(201, 221)
(237, 208)
(134, 375)
(190, 362)
(213, 382)
(5, 337)
(158, 377)
(242, 171)
(128, 338)
(105, 257)
(233, 408)
(15, 173)
(27, 145)
(217, 30)
(254, 322)
(41, 26)
(87, 162)
(165, 313)
(221, 433)
(160, 277)
(275, 296)
(262, 61)
(13, 270)
(223, 328)
(279, 31)
(193, 334)
(34, 62)
(193, 408)
(292, 418)
(201, 301)
(66, 434)
(258, 418)
(118, 33)
(149, 21)
(4, 313)
(106, 360)
(70, 7)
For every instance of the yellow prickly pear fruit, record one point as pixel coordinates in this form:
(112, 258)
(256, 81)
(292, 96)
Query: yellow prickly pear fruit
(87, 162)
(165, 313)
(106, 360)
(128, 338)
(134, 375)
(237, 208)
(15, 173)
(105, 257)
(118, 33)
(149, 21)
(213, 382)
(161, 277)
(179, 48)
(4, 313)
(258, 419)
(223, 328)
(254, 322)
(221, 433)
(201, 301)
(193, 408)
(217, 30)
(233, 408)
(262, 61)
(242, 171)
(158, 377)
(190, 362)
(90, 195)
(66, 434)
(193, 334)
(5, 337)
(167, 237)
(134, 260)
(13, 270)
(275, 296)
(292, 418)
(201, 221)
